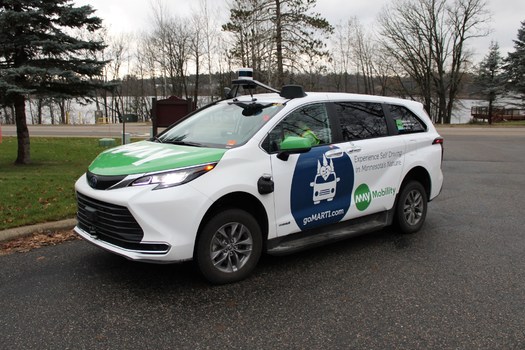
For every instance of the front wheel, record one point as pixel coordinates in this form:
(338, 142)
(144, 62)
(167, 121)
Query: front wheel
(411, 208)
(229, 246)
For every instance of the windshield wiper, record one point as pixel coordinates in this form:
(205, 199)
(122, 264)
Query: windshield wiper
(183, 143)
(156, 139)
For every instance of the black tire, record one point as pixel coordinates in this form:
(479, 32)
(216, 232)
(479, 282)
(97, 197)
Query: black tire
(229, 246)
(411, 207)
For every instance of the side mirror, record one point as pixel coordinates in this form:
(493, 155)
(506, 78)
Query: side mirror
(292, 145)
(227, 92)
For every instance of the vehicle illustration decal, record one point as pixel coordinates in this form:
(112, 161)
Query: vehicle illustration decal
(325, 182)
(322, 186)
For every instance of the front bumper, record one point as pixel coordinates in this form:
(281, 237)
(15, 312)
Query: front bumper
(133, 254)
(140, 223)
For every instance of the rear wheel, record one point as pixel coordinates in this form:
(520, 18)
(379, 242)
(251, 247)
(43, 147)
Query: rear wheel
(411, 209)
(229, 246)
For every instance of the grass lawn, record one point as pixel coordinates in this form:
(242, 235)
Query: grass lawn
(44, 190)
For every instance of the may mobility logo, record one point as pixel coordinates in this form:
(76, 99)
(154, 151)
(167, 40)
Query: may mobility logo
(363, 196)
(322, 187)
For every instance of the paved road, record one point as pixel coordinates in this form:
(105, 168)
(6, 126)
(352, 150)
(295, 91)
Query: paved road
(460, 283)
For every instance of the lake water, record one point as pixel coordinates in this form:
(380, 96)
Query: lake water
(85, 113)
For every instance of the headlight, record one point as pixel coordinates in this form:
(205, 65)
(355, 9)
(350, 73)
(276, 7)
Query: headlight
(173, 178)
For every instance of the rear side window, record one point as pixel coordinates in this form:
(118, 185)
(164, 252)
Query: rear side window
(406, 121)
(361, 120)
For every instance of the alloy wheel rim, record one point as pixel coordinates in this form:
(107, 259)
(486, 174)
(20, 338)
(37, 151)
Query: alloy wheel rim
(413, 207)
(231, 247)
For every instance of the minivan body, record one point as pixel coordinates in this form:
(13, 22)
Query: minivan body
(242, 177)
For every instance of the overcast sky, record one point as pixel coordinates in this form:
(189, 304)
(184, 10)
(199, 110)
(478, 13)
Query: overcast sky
(133, 16)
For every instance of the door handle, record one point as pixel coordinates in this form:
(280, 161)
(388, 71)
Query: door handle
(334, 153)
(354, 149)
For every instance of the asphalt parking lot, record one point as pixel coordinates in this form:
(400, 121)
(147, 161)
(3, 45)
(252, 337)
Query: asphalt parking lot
(459, 283)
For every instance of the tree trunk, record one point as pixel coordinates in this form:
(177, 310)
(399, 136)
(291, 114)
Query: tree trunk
(39, 110)
(22, 131)
(490, 112)
(196, 87)
(106, 111)
(62, 106)
(51, 112)
(279, 43)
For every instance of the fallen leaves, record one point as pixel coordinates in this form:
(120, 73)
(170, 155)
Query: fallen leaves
(35, 241)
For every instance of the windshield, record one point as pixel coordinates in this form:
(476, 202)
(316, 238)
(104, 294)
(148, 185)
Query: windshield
(222, 125)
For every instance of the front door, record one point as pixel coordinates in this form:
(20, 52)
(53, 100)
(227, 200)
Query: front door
(314, 188)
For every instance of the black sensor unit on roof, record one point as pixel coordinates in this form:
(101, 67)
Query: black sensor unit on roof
(292, 91)
(245, 73)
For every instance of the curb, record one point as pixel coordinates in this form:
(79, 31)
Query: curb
(23, 231)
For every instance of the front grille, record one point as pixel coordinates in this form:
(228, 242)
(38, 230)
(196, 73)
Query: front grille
(103, 182)
(113, 224)
(324, 192)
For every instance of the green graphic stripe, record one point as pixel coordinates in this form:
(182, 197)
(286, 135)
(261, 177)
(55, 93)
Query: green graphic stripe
(144, 157)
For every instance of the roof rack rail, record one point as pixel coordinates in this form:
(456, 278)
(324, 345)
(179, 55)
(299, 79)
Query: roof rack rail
(247, 84)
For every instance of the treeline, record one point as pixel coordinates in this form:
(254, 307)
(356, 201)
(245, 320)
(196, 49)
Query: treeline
(418, 49)
(134, 95)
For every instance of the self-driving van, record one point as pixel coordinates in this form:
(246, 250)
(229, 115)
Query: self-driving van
(271, 173)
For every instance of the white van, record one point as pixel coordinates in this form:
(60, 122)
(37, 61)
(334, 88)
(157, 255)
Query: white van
(275, 173)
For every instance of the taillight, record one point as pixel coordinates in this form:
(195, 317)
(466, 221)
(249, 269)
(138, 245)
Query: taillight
(439, 141)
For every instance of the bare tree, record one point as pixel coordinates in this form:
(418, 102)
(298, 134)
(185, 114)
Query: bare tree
(119, 51)
(341, 58)
(144, 70)
(210, 40)
(197, 48)
(428, 39)
(356, 50)
(468, 20)
(405, 36)
(285, 33)
(363, 54)
(158, 43)
(147, 54)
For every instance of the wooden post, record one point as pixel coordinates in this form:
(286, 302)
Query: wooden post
(154, 115)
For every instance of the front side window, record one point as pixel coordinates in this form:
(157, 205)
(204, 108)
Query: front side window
(310, 122)
(406, 121)
(361, 120)
(223, 125)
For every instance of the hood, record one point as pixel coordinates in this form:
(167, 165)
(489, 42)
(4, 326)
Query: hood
(145, 156)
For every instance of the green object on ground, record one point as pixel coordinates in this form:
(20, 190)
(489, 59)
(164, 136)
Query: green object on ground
(107, 142)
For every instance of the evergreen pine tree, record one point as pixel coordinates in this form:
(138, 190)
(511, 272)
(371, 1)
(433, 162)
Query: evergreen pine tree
(515, 65)
(490, 77)
(39, 55)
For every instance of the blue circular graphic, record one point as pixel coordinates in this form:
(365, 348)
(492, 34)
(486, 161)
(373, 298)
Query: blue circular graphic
(322, 186)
